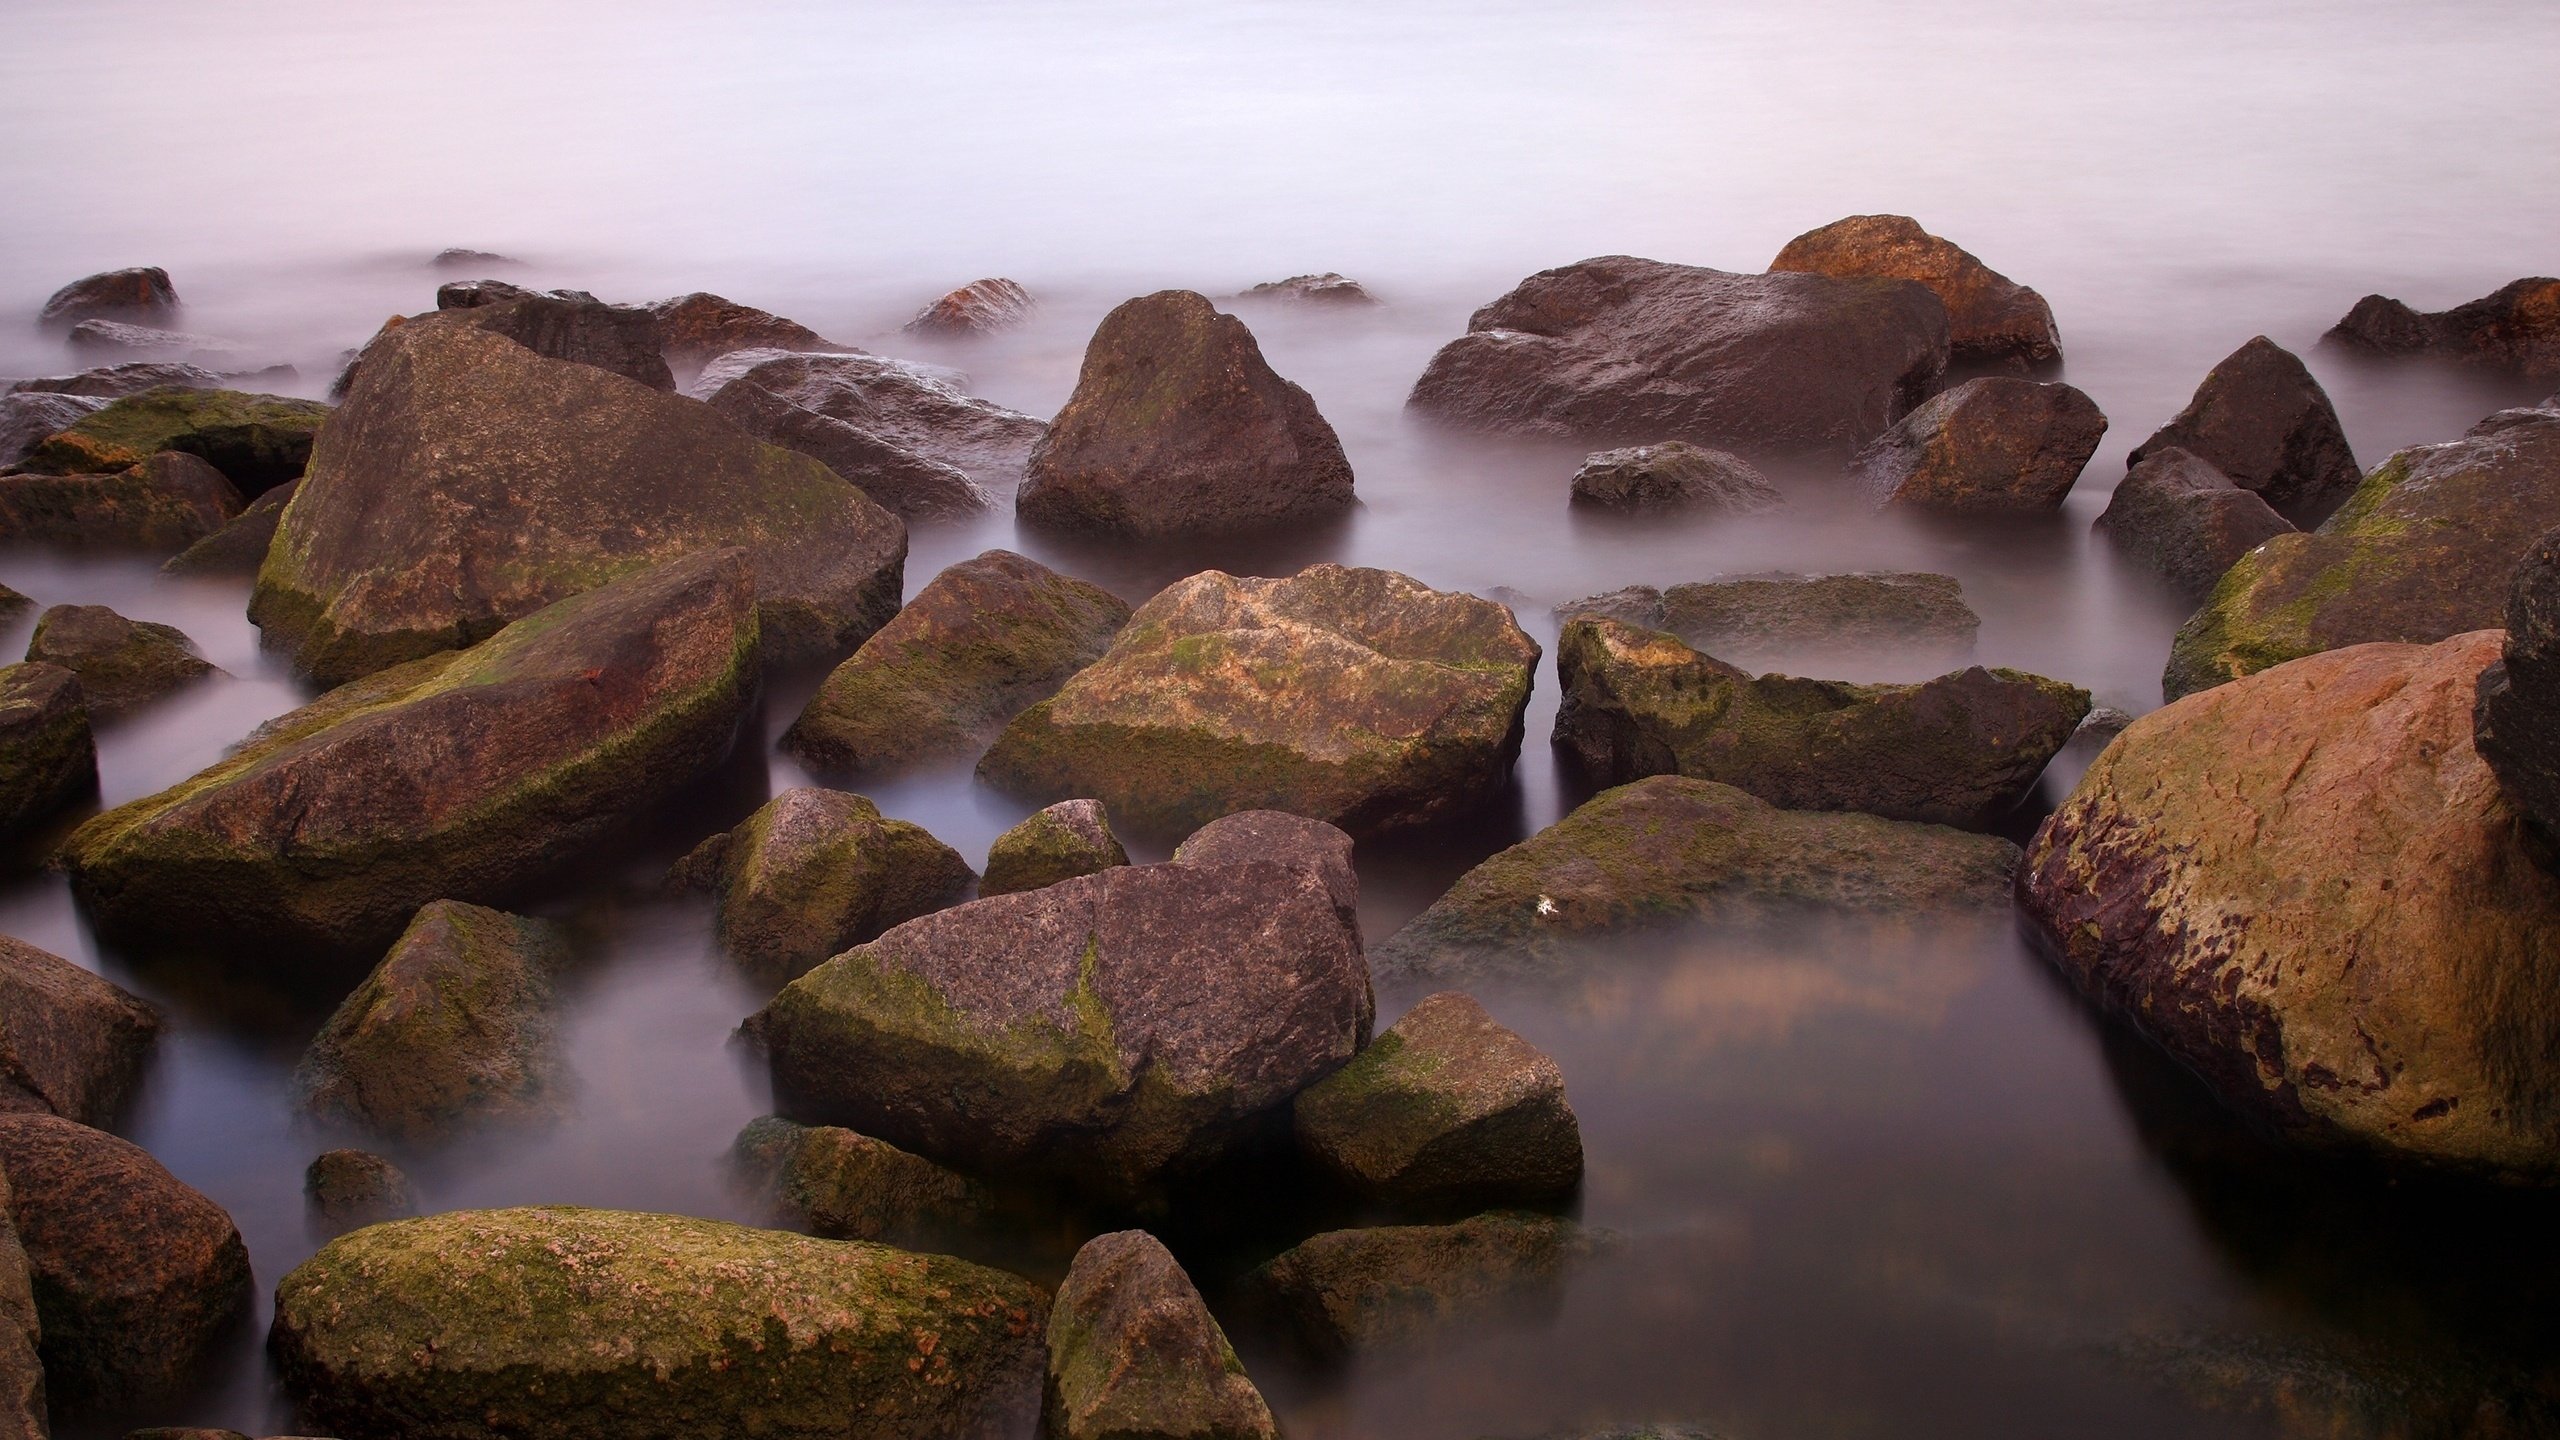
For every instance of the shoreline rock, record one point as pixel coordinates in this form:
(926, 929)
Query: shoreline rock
(72, 1043)
(1674, 475)
(1994, 444)
(1992, 319)
(2260, 418)
(1068, 839)
(1135, 1355)
(815, 872)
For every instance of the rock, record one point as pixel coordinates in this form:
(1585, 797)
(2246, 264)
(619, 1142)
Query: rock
(105, 342)
(137, 1276)
(1328, 288)
(47, 757)
(917, 413)
(816, 872)
(2261, 419)
(900, 480)
(257, 441)
(123, 664)
(29, 419)
(1996, 443)
(1754, 620)
(452, 1029)
(1674, 475)
(1178, 426)
(1135, 1355)
(1070, 838)
(847, 1186)
(240, 546)
(456, 257)
(2103, 724)
(350, 1189)
(1356, 697)
(164, 503)
(2422, 551)
(2179, 516)
(465, 776)
(2306, 886)
(570, 1324)
(2516, 329)
(140, 293)
(1962, 749)
(983, 641)
(414, 532)
(1667, 853)
(978, 308)
(623, 339)
(695, 328)
(1447, 1110)
(1991, 318)
(1280, 838)
(72, 1043)
(22, 1404)
(1639, 351)
(114, 382)
(1394, 1287)
(1113, 1033)
(2516, 722)
(472, 294)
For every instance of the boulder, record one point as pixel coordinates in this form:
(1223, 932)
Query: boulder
(142, 292)
(114, 382)
(472, 294)
(567, 325)
(30, 418)
(903, 482)
(453, 1029)
(978, 308)
(1445, 1111)
(919, 413)
(257, 441)
(845, 1185)
(72, 1043)
(2516, 722)
(1755, 620)
(983, 641)
(1134, 1353)
(1674, 475)
(469, 482)
(137, 1277)
(240, 546)
(1356, 697)
(1177, 426)
(1068, 839)
(1991, 318)
(22, 1403)
(815, 872)
(47, 756)
(458, 257)
(123, 664)
(466, 776)
(1394, 1287)
(1962, 749)
(1114, 1033)
(1280, 838)
(694, 328)
(2180, 517)
(2516, 329)
(350, 1189)
(1329, 288)
(1666, 854)
(1997, 443)
(166, 502)
(2307, 886)
(107, 342)
(2422, 551)
(2261, 419)
(1640, 351)
(566, 1324)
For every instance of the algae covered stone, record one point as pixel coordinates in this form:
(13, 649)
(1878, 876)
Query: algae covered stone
(257, 441)
(240, 546)
(845, 1185)
(1394, 1287)
(1070, 838)
(567, 1324)
(123, 664)
(1358, 697)
(1758, 620)
(350, 1189)
(48, 758)
(162, 503)
(1134, 1353)
(468, 775)
(816, 871)
(72, 1042)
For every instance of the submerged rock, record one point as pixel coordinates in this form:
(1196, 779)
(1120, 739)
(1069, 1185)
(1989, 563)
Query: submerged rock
(1753, 620)
(464, 776)
(1178, 425)
(1329, 288)
(1619, 348)
(142, 292)
(240, 546)
(72, 1043)
(107, 341)
(983, 641)
(2261, 419)
(2308, 888)
(452, 1029)
(1446, 1110)
(123, 664)
(257, 441)
(2180, 517)
(1114, 1032)
(468, 482)
(1394, 1287)
(980, 307)
(1959, 750)
(1357, 697)
(1135, 1355)
(1667, 853)
(2515, 329)
(845, 1185)
(137, 1276)
(1991, 318)
(1674, 475)
(1280, 838)
(1993, 444)
(22, 1400)
(28, 420)
(915, 415)
(2516, 722)
(350, 1189)
(164, 503)
(1068, 839)
(571, 1324)
(815, 872)
(695, 328)
(114, 382)
(47, 756)
(2423, 550)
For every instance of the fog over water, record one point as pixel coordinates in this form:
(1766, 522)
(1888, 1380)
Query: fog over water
(1873, 1180)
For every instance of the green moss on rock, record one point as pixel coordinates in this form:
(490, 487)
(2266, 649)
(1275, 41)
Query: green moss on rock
(47, 756)
(815, 872)
(1397, 1287)
(1068, 839)
(257, 441)
(160, 503)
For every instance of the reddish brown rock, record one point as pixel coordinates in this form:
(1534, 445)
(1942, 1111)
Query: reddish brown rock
(141, 293)
(48, 757)
(22, 1401)
(123, 665)
(1674, 475)
(2262, 420)
(1991, 318)
(72, 1043)
(162, 504)
(1135, 1355)
(815, 872)
(899, 414)
(695, 328)
(1280, 838)
(2179, 516)
(350, 1189)
(978, 308)
(1992, 444)
(2515, 329)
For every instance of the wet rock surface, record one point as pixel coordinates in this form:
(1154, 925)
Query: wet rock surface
(48, 757)
(240, 546)
(2260, 418)
(1995, 444)
(980, 307)
(2185, 520)
(1328, 288)
(123, 665)
(1396, 1287)
(1992, 319)
(700, 326)
(72, 1043)
(1068, 839)
(114, 382)
(22, 1399)
(350, 1189)
(2516, 721)
(161, 504)
(903, 420)
(1674, 475)
(622, 339)
(1641, 351)
(815, 872)
(109, 341)
(141, 292)
(1752, 620)
(29, 419)
(1280, 838)
(1135, 1355)
(844, 1185)
(2515, 329)
(257, 441)
(900, 480)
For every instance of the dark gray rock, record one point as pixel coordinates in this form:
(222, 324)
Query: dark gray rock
(2261, 419)
(47, 756)
(621, 338)
(1397, 1287)
(350, 1189)
(240, 546)
(2179, 516)
(900, 413)
(1328, 288)
(2516, 722)
(900, 480)
(105, 342)
(1674, 475)
(114, 382)
(2515, 329)
(72, 1043)
(1996, 444)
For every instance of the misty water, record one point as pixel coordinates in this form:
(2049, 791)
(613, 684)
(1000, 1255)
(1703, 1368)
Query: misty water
(1872, 1181)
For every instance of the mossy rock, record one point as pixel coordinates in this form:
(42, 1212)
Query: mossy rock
(257, 441)
(240, 546)
(123, 664)
(1134, 1353)
(48, 757)
(350, 1189)
(161, 503)
(558, 1323)
(816, 872)
(1398, 1287)
(1758, 621)
(845, 1185)
(1068, 839)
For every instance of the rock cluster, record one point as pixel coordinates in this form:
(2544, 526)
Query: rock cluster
(2514, 329)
